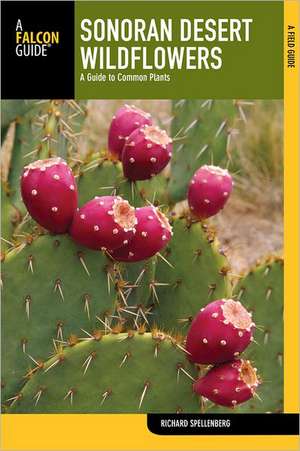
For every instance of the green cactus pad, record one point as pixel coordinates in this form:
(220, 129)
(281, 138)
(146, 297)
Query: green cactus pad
(132, 286)
(207, 128)
(262, 293)
(138, 278)
(14, 109)
(199, 276)
(154, 190)
(139, 275)
(101, 177)
(23, 145)
(58, 283)
(128, 373)
(7, 212)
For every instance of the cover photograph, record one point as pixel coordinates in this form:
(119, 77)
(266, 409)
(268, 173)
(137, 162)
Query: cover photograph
(149, 225)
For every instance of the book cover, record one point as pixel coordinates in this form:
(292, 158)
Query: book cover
(149, 225)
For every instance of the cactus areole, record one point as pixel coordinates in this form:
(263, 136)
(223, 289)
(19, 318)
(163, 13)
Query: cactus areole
(49, 192)
(229, 384)
(219, 332)
(209, 191)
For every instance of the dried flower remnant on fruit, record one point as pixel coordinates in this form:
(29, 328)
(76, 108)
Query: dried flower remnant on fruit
(236, 314)
(124, 214)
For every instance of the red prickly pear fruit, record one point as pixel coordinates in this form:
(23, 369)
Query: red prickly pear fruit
(49, 192)
(219, 332)
(146, 153)
(209, 190)
(127, 119)
(153, 232)
(228, 384)
(103, 223)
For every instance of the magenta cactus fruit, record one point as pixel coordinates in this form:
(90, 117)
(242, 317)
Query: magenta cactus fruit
(209, 190)
(104, 223)
(49, 192)
(228, 384)
(153, 232)
(146, 153)
(219, 332)
(127, 119)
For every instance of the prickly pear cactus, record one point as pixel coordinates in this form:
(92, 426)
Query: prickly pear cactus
(205, 132)
(127, 373)
(82, 332)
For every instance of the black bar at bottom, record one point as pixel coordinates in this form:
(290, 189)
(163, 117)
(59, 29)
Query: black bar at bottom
(224, 424)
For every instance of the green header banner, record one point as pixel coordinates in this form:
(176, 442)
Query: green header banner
(170, 49)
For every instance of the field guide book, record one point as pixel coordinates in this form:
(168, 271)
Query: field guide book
(150, 225)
